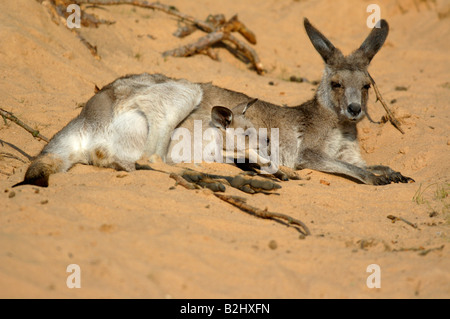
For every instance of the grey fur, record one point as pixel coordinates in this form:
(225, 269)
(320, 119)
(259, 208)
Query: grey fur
(130, 118)
(321, 133)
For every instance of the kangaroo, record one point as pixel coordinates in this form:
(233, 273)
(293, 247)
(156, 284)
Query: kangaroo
(135, 116)
(321, 133)
(132, 117)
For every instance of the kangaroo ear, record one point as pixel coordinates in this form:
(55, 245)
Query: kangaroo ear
(221, 117)
(374, 41)
(249, 103)
(325, 48)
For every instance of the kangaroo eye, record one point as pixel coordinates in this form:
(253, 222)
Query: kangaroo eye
(366, 87)
(335, 85)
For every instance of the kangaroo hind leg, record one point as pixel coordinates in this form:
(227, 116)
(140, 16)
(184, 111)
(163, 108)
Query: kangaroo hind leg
(169, 104)
(124, 142)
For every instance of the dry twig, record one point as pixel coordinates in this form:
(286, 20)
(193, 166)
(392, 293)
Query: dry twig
(422, 251)
(200, 45)
(220, 31)
(13, 118)
(389, 114)
(395, 218)
(216, 25)
(241, 204)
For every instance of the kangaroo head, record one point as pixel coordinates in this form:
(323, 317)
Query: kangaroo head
(239, 136)
(345, 82)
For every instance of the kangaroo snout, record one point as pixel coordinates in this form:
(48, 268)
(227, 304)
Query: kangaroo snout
(354, 109)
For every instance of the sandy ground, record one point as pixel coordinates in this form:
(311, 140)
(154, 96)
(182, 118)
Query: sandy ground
(134, 236)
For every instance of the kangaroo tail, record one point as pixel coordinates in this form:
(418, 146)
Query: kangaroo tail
(41, 168)
(58, 155)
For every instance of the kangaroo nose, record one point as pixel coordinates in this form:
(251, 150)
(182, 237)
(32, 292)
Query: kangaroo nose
(354, 109)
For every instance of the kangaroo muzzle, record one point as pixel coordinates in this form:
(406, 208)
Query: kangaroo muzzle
(354, 109)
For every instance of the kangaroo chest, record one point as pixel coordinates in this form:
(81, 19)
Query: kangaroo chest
(343, 145)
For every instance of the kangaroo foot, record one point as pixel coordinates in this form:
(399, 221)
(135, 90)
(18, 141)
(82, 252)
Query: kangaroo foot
(396, 177)
(245, 183)
(203, 180)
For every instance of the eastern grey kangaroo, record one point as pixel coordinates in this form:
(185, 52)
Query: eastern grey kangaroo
(132, 117)
(135, 116)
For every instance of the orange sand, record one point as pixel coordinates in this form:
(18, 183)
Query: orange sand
(133, 236)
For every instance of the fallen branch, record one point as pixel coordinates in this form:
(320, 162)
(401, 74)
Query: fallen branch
(155, 6)
(216, 25)
(422, 251)
(201, 45)
(13, 118)
(220, 31)
(395, 218)
(389, 114)
(248, 52)
(239, 203)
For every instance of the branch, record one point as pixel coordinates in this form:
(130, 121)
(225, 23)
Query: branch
(190, 181)
(249, 53)
(156, 6)
(395, 218)
(223, 33)
(390, 115)
(216, 25)
(239, 203)
(13, 118)
(201, 45)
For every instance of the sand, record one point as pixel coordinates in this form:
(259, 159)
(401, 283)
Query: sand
(134, 236)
